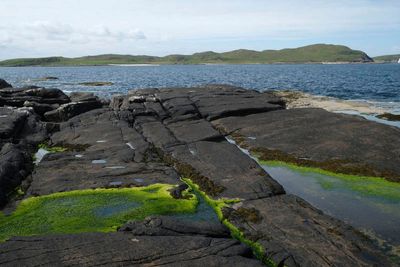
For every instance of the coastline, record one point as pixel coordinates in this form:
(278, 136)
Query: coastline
(367, 109)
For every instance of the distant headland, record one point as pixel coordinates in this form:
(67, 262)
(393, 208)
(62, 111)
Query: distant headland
(317, 53)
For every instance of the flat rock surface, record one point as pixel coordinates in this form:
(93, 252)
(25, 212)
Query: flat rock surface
(160, 135)
(124, 249)
(106, 153)
(318, 135)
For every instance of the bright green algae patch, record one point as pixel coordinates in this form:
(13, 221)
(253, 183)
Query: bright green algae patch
(218, 205)
(98, 210)
(52, 149)
(370, 186)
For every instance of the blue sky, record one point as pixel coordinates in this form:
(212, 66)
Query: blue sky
(32, 28)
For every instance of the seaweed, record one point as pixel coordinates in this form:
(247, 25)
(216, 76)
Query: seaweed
(219, 206)
(92, 210)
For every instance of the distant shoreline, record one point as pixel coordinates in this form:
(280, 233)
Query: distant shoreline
(311, 54)
(202, 64)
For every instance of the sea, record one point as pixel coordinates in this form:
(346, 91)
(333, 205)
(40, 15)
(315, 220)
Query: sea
(378, 84)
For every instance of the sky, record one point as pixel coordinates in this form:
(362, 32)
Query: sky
(37, 28)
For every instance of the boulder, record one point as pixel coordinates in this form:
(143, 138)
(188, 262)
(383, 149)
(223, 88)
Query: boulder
(81, 103)
(40, 109)
(17, 97)
(15, 165)
(4, 84)
(69, 110)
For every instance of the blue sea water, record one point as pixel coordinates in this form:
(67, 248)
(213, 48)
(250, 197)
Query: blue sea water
(370, 82)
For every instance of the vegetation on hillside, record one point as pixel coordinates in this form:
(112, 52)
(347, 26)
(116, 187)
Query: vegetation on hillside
(387, 58)
(317, 53)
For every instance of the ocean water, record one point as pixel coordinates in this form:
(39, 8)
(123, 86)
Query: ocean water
(369, 82)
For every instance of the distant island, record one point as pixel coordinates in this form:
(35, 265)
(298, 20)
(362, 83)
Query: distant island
(317, 53)
(387, 59)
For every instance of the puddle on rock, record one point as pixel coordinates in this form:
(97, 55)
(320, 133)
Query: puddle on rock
(204, 212)
(139, 180)
(130, 146)
(115, 167)
(115, 183)
(79, 156)
(99, 161)
(112, 210)
(350, 200)
(101, 141)
(40, 154)
(378, 214)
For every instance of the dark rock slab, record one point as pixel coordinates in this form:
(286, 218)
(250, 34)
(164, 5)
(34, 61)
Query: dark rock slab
(189, 131)
(171, 226)
(294, 232)
(124, 249)
(318, 135)
(226, 166)
(106, 152)
(158, 134)
(95, 169)
(224, 101)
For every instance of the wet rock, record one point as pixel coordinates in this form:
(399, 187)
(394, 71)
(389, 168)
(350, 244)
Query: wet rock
(389, 116)
(48, 78)
(4, 84)
(96, 83)
(116, 249)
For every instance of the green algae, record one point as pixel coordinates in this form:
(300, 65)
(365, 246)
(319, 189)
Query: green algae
(218, 205)
(52, 149)
(365, 185)
(93, 210)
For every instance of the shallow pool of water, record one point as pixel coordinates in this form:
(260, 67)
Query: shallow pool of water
(376, 214)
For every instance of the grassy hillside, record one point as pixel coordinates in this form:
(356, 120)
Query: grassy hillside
(387, 58)
(317, 53)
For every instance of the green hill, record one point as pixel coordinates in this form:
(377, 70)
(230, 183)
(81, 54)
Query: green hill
(387, 58)
(317, 53)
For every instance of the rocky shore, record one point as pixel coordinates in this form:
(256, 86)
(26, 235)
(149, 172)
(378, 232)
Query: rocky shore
(159, 136)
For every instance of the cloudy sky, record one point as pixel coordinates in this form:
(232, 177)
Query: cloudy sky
(32, 28)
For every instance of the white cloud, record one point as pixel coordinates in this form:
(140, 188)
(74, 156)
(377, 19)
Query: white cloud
(77, 27)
